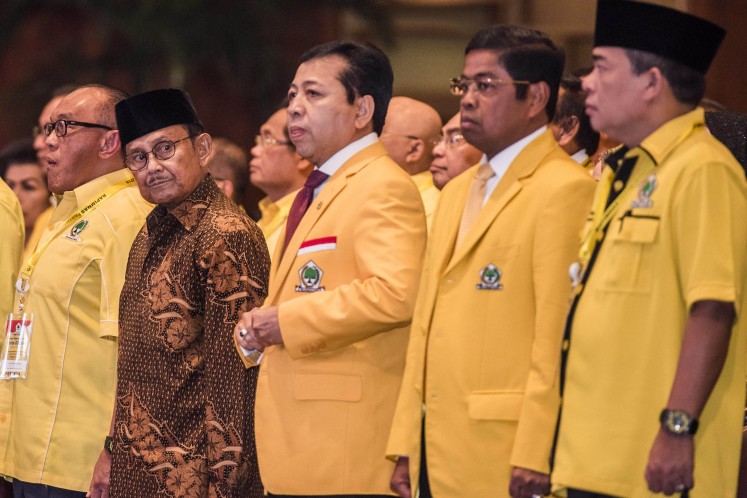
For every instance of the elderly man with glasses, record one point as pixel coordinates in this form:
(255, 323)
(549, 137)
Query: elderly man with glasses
(479, 398)
(69, 292)
(452, 154)
(182, 423)
(278, 171)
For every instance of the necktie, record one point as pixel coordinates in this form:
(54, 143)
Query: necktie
(475, 200)
(302, 202)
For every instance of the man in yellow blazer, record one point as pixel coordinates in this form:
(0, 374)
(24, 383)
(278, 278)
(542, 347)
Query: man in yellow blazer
(483, 358)
(334, 328)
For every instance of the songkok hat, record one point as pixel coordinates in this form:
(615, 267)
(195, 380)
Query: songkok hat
(151, 111)
(666, 32)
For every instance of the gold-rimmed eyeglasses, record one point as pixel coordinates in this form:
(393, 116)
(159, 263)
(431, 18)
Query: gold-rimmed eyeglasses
(265, 140)
(483, 85)
(450, 141)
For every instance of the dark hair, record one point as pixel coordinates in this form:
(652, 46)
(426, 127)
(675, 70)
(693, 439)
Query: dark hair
(526, 54)
(688, 85)
(19, 151)
(368, 72)
(228, 155)
(573, 103)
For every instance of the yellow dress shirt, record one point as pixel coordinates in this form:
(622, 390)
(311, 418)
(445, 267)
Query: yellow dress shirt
(428, 193)
(273, 218)
(61, 412)
(11, 219)
(677, 237)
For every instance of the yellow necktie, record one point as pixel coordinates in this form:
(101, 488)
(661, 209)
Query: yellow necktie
(475, 200)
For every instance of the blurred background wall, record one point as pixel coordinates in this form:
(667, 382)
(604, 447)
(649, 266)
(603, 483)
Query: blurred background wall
(237, 57)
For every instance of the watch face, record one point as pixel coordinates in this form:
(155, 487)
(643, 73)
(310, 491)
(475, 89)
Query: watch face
(679, 422)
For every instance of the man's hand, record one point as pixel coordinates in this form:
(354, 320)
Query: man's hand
(670, 463)
(99, 487)
(258, 328)
(400, 482)
(527, 483)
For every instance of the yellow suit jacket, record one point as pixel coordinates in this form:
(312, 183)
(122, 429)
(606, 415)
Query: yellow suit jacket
(484, 350)
(345, 291)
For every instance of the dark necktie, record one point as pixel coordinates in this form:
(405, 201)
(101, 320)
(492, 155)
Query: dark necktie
(302, 202)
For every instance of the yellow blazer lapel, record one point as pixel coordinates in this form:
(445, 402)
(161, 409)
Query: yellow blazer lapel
(508, 187)
(331, 189)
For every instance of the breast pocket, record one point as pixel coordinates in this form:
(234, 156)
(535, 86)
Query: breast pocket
(628, 263)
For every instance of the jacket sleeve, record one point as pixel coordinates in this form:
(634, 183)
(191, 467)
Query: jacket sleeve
(556, 242)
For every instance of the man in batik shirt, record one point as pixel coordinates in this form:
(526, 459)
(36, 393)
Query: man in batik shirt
(183, 423)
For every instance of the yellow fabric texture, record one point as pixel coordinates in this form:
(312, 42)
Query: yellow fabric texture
(429, 194)
(274, 215)
(484, 361)
(40, 226)
(62, 410)
(664, 250)
(326, 396)
(11, 247)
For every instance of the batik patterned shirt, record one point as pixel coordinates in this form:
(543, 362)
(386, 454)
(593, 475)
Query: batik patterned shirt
(185, 402)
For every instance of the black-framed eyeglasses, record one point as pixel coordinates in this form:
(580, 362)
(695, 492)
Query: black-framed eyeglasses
(265, 140)
(483, 85)
(60, 126)
(162, 150)
(450, 142)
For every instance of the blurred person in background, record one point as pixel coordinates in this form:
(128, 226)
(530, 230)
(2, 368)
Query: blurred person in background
(229, 167)
(278, 171)
(571, 126)
(452, 154)
(23, 174)
(409, 131)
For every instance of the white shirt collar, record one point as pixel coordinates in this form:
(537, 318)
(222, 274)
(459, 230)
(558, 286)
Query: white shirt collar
(501, 161)
(340, 157)
(580, 156)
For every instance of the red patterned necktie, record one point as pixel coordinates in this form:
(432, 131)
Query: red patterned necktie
(302, 202)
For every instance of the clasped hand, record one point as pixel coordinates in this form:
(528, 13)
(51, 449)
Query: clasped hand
(258, 328)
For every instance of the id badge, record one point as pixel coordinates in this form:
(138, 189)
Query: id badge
(14, 358)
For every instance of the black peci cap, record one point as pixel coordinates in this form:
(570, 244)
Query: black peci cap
(151, 111)
(666, 32)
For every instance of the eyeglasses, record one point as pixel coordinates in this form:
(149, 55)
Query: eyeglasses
(451, 141)
(36, 131)
(60, 127)
(482, 84)
(161, 151)
(265, 140)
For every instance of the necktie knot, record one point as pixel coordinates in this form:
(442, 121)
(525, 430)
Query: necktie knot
(315, 179)
(485, 172)
(475, 200)
(301, 203)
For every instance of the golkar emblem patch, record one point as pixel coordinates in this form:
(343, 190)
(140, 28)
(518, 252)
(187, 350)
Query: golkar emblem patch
(644, 194)
(311, 278)
(490, 278)
(75, 231)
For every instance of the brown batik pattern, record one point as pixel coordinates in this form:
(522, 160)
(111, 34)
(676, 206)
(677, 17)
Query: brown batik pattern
(184, 421)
